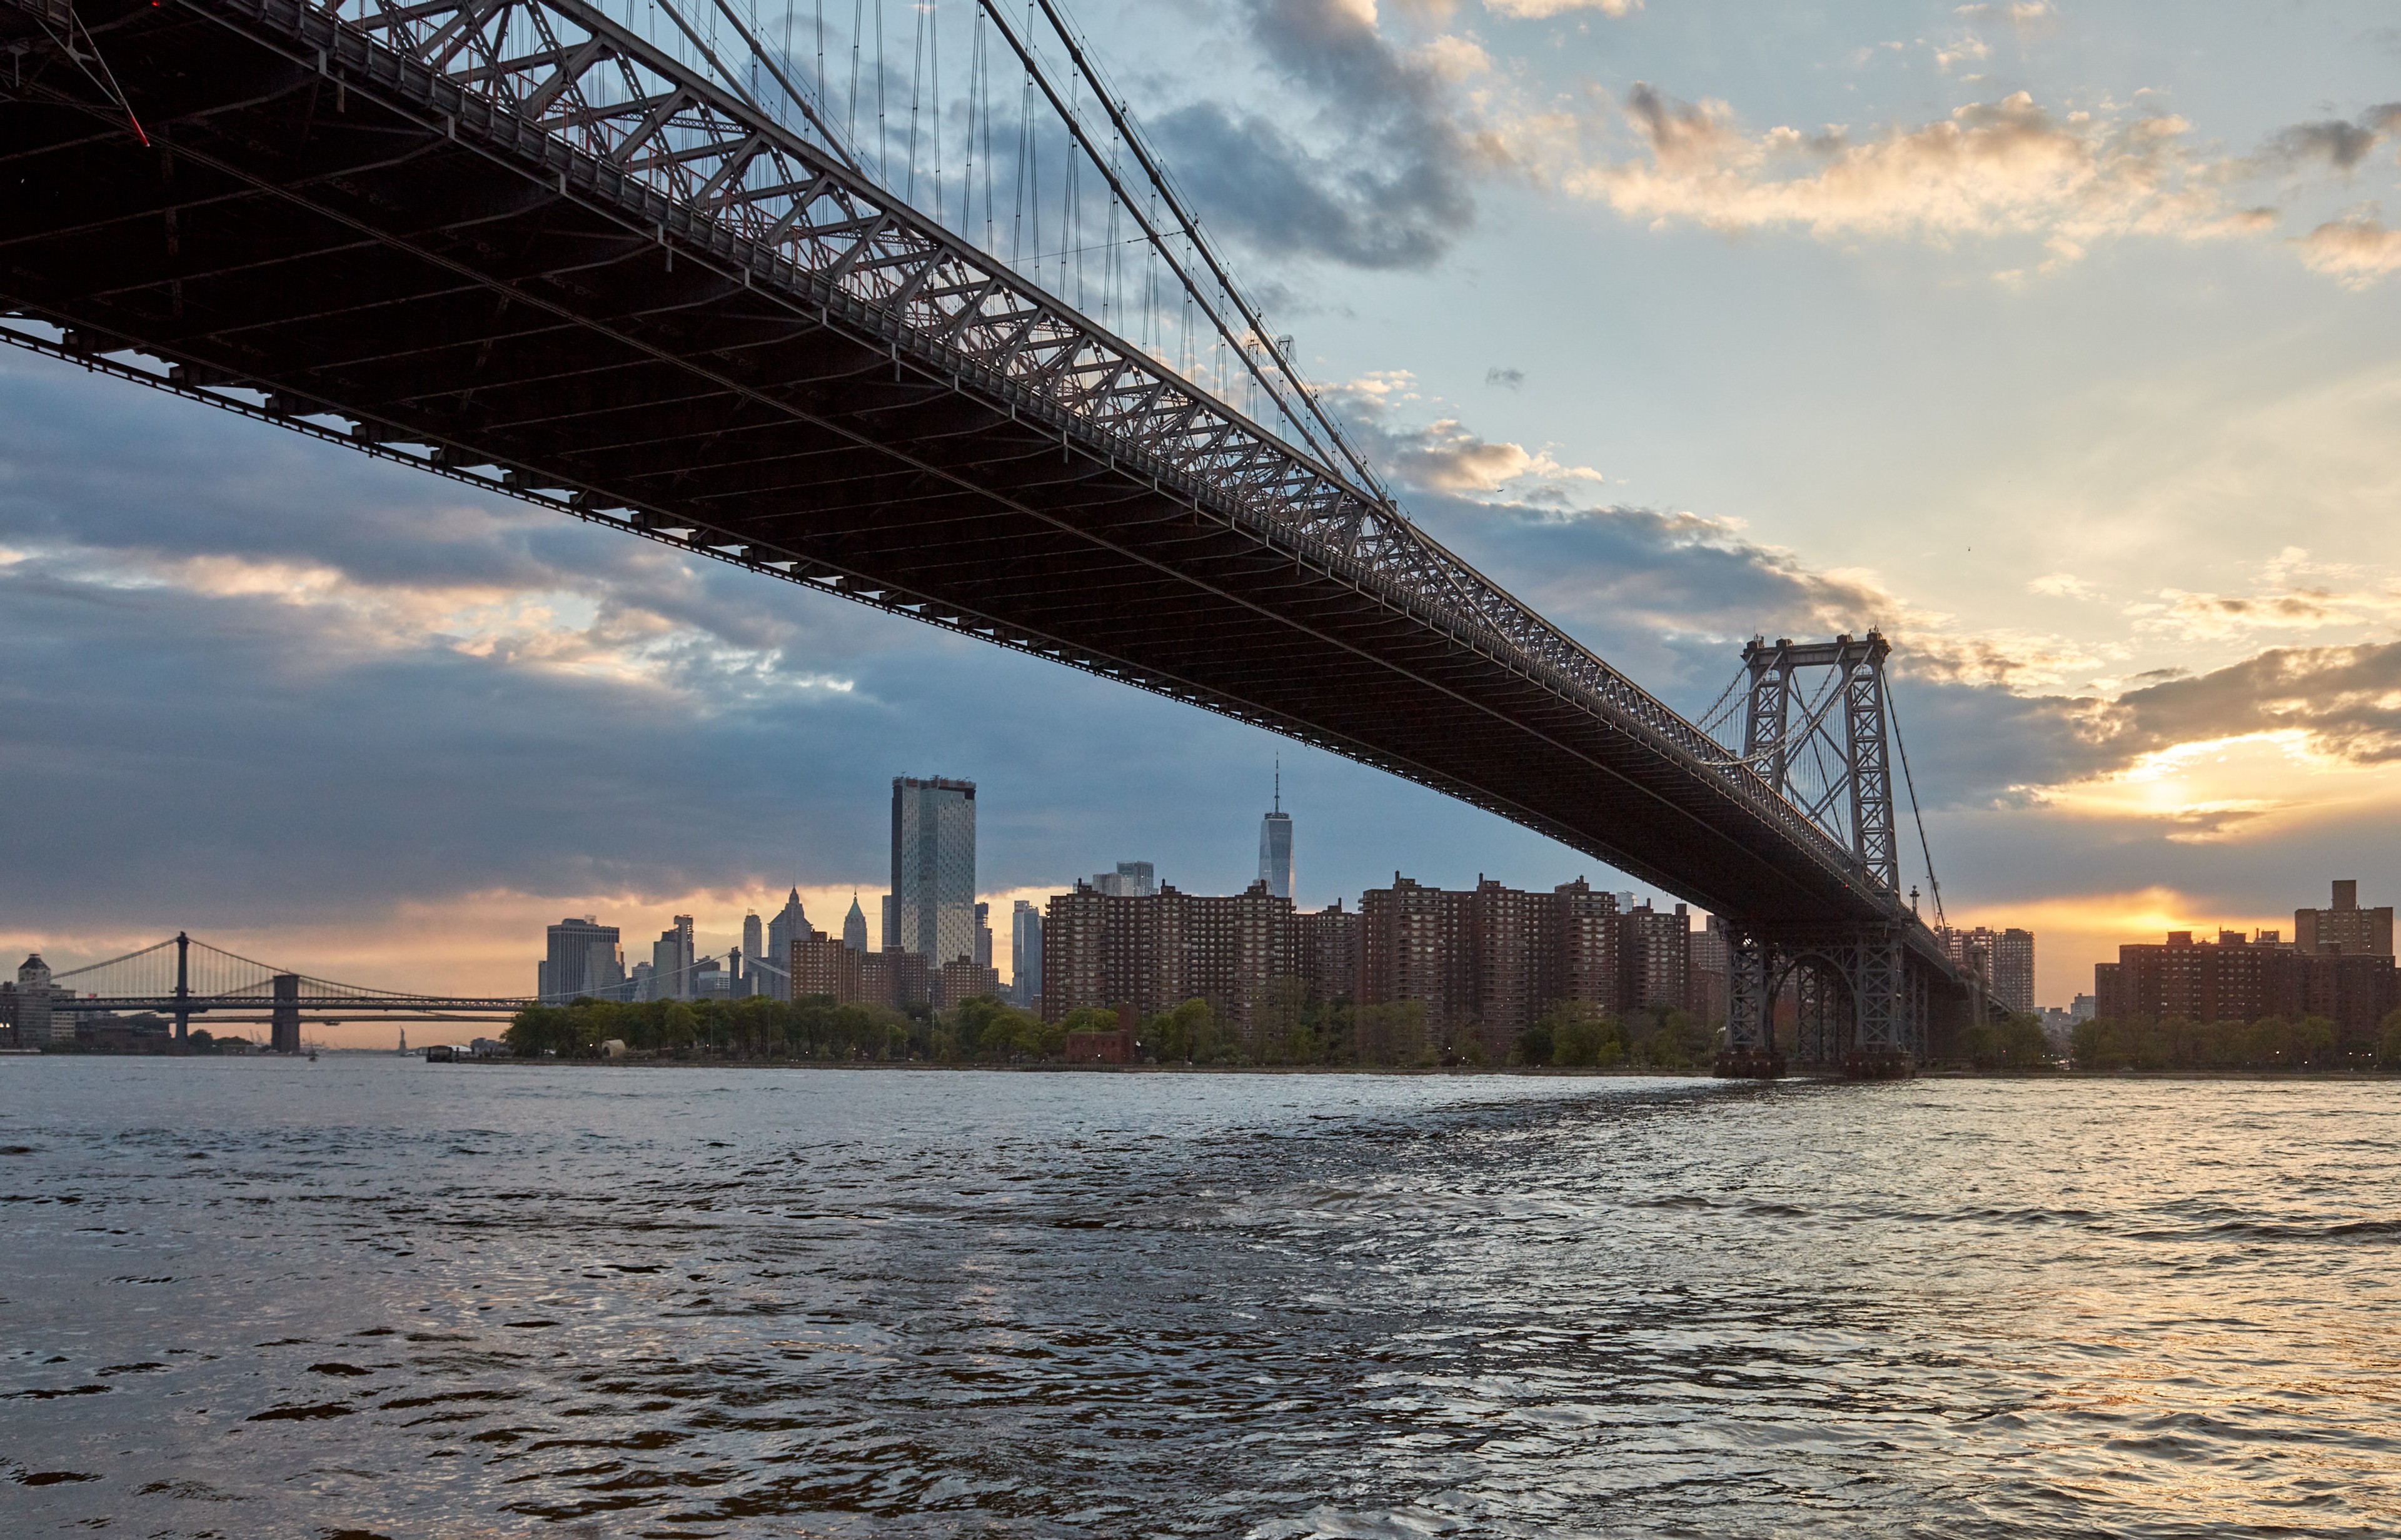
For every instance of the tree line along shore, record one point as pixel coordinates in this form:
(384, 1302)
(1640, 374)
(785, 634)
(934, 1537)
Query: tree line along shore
(1571, 1034)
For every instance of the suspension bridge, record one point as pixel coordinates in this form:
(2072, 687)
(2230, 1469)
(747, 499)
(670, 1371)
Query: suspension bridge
(180, 978)
(649, 265)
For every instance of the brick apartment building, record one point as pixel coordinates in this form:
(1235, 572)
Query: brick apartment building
(1156, 950)
(2005, 958)
(1494, 959)
(824, 965)
(2344, 974)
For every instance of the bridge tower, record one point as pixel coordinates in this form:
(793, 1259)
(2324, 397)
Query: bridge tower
(183, 987)
(1818, 728)
(283, 1018)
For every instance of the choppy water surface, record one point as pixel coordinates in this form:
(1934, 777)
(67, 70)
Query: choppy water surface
(265, 1299)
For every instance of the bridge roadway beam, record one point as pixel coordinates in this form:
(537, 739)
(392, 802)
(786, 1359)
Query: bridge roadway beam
(318, 231)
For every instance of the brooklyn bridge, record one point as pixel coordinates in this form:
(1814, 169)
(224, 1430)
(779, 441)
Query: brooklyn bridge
(637, 266)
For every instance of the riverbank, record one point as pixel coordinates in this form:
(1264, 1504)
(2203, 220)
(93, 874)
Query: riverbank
(1947, 1072)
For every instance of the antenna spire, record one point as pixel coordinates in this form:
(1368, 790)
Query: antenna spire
(1279, 783)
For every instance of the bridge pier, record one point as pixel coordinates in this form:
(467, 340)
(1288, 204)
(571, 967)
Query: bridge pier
(1750, 1052)
(283, 1018)
(1859, 1002)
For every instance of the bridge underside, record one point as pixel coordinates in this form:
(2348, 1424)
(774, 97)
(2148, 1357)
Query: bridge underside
(338, 247)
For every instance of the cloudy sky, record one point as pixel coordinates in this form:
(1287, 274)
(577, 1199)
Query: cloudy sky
(2056, 339)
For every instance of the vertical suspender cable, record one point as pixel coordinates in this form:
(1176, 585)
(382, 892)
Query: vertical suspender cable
(975, 84)
(1024, 148)
(916, 85)
(1071, 202)
(934, 35)
(984, 100)
(1199, 249)
(1892, 711)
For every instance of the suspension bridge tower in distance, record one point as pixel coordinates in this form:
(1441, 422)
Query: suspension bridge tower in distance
(1819, 727)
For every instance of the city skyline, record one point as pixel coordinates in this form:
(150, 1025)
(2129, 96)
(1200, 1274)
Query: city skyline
(2049, 399)
(700, 945)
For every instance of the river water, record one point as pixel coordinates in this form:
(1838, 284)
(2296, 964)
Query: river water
(373, 1296)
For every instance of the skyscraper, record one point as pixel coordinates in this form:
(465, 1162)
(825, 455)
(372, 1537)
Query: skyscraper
(854, 927)
(983, 935)
(673, 963)
(584, 959)
(667, 973)
(789, 926)
(933, 869)
(754, 939)
(1025, 954)
(1130, 880)
(36, 1023)
(1275, 844)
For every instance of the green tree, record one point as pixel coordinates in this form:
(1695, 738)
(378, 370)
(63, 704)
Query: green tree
(1391, 1033)
(1584, 1036)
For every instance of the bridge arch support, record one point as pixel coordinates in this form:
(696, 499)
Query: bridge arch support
(1861, 1002)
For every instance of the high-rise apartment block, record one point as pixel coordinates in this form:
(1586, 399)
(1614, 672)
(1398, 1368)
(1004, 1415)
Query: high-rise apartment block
(2345, 929)
(822, 965)
(584, 959)
(933, 868)
(1154, 951)
(2004, 958)
(960, 980)
(897, 979)
(825, 965)
(1325, 952)
(2240, 978)
(1493, 959)
(1711, 949)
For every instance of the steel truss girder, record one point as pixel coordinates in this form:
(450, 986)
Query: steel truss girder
(587, 106)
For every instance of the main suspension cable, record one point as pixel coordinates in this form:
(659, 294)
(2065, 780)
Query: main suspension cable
(1892, 710)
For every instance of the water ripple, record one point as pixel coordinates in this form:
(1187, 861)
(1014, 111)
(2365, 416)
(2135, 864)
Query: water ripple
(370, 1297)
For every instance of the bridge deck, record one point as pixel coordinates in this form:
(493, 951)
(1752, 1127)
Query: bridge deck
(337, 242)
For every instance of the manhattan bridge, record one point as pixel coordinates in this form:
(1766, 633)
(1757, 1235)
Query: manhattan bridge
(904, 308)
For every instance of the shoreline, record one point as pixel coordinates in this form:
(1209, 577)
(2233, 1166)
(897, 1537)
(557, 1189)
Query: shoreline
(1457, 1071)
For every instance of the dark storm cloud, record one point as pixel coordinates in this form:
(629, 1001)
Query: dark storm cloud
(2334, 142)
(2343, 699)
(1984, 744)
(1385, 179)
